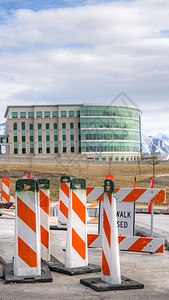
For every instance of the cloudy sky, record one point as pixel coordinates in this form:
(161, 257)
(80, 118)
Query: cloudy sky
(84, 51)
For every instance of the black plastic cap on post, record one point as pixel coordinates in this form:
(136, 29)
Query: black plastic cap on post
(78, 183)
(44, 183)
(109, 186)
(27, 185)
(65, 178)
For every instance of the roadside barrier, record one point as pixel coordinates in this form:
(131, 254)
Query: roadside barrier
(26, 175)
(5, 195)
(151, 186)
(44, 199)
(111, 276)
(76, 261)
(132, 243)
(63, 202)
(27, 257)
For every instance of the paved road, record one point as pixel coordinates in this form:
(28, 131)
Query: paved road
(151, 270)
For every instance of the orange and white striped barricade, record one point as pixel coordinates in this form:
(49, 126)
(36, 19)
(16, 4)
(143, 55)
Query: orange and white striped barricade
(5, 195)
(63, 202)
(133, 243)
(44, 200)
(76, 261)
(111, 276)
(27, 265)
(26, 175)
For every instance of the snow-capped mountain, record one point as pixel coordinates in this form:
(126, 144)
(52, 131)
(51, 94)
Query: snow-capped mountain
(156, 144)
(2, 128)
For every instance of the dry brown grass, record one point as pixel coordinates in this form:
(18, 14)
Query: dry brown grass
(94, 174)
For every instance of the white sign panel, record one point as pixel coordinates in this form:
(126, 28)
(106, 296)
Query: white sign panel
(125, 218)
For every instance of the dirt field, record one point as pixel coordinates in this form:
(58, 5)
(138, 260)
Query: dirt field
(94, 174)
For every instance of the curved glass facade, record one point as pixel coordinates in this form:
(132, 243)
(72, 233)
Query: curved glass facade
(110, 129)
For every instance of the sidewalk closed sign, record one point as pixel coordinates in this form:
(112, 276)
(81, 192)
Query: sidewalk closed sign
(125, 218)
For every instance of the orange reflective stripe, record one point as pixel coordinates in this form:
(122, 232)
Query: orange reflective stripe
(100, 198)
(106, 227)
(93, 220)
(5, 196)
(27, 254)
(26, 214)
(92, 205)
(44, 201)
(79, 208)
(65, 188)
(159, 198)
(140, 244)
(134, 195)
(26, 187)
(121, 238)
(78, 244)
(63, 209)
(117, 189)
(160, 249)
(89, 190)
(105, 266)
(44, 237)
(91, 238)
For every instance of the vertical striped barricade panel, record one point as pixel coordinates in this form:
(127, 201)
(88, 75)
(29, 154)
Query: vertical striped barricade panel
(26, 175)
(63, 201)
(44, 200)
(110, 248)
(76, 244)
(27, 258)
(5, 195)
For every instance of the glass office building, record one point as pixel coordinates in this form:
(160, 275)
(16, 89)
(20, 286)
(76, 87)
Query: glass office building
(99, 132)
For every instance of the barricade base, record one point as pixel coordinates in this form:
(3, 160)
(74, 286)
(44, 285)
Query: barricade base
(55, 227)
(6, 204)
(56, 266)
(101, 286)
(44, 277)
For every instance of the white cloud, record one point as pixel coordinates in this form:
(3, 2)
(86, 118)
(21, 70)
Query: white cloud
(88, 53)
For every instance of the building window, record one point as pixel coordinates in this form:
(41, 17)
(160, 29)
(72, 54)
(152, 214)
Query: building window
(30, 126)
(116, 158)
(64, 149)
(39, 114)
(78, 113)
(14, 115)
(71, 125)
(127, 158)
(22, 114)
(47, 126)
(23, 139)
(55, 138)
(64, 137)
(15, 126)
(31, 138)
(23, 150)
(23, 125)
(63, 113)
(79, 149)
(96, 158)
(72, 149)
(31, 150)
(15, 150)
(39, 138)
(54, 114)
(55, 125)
(47, 149)
(72, 137)
(47, 114)
(47, 138)
(63, 125)
(40, 150)
(71, 113)
(110, 158)
(56, 149)
(30, 114)
(103, 157)
(39, 126)
(78, 125)
(131, 158)
(15, 139)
